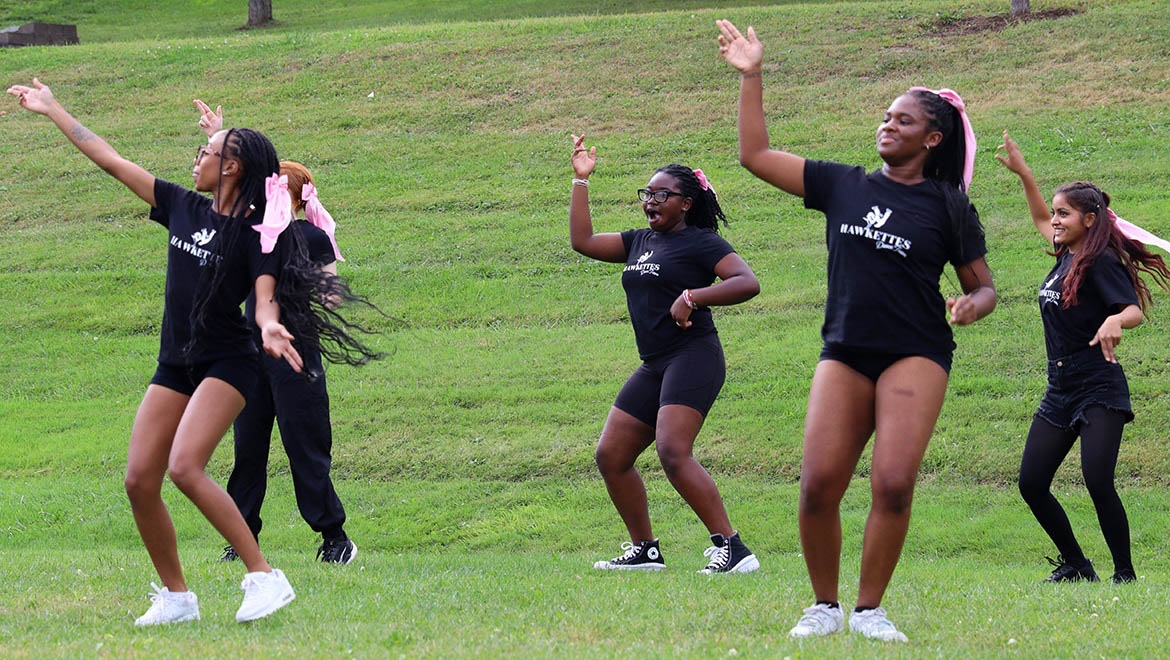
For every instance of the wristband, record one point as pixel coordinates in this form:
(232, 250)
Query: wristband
(690, 302)
(584, 183)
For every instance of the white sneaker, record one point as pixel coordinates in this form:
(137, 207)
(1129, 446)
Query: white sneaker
(819, 620)
(874, 625)
(264, 593)
(169, 607)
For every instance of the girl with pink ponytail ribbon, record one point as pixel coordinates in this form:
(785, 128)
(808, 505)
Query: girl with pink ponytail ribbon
(1093, 292)
(671, 266)
(887, 342)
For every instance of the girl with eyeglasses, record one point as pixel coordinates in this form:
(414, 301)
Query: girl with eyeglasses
(207, 361)
(1092, 293)
(887, 344)
(671, 266)
(299, 405)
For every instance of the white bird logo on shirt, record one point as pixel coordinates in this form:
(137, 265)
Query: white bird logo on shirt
(202, 237)
(875, 217)
(646, 256)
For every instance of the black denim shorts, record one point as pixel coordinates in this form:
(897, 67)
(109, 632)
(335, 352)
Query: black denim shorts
(1079, 381)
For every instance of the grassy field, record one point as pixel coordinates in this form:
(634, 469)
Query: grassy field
(465, 459)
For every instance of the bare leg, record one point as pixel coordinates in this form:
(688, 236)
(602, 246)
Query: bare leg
(146, 462)
(909, 398)
(209, 414)
(622, 440)
(836, 428)
(674, 439)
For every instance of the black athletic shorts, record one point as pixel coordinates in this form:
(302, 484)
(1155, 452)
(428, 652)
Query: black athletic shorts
(871, 364)
(241, 373)
(1081, 380)
(691, 375)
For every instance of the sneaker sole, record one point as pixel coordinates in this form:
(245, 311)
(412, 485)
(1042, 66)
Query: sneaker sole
(745, 565)
(285, 599)
(812, 633)
(190, 617)
(352, 556)
(606, 566)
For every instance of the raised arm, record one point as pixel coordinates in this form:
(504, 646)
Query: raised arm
(39, 99)
(209, 122)
(779, 168)
(602, 247)
(1014, 161)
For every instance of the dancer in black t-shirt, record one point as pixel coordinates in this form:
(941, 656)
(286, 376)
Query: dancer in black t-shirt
(887, 352)
(299, 405)
(1091, 294)
(206, 356)
(668, 279)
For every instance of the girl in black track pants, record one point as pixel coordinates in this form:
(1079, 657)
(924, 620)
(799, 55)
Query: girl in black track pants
(1091, 294)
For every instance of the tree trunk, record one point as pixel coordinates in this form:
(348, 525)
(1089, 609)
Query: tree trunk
(1020, 7)
(260, 12)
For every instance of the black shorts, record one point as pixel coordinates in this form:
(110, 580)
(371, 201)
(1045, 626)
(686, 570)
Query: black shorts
(241, 373)
(871, 364)
(691, 375)
(1081, 380)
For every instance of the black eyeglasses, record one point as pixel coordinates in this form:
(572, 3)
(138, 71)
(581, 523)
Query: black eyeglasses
(659, 196)
(203, 150)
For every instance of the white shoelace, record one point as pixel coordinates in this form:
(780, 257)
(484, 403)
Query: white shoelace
(719, 556)
(158, 593)
(630, 551)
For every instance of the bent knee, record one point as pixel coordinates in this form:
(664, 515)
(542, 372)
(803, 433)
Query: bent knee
(893, 495)
(185, 475)
(671, 457)
(141, 486)
(819, 494)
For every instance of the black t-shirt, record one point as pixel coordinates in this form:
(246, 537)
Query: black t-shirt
(658, 267)
(1105, 287)
(888, 244)
(197, 237)
(321, 253)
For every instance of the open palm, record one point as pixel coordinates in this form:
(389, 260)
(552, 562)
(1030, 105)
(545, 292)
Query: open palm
(38, 98)
(742, 52)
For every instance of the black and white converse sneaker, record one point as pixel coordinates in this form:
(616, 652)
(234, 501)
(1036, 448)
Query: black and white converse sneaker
(229, 554)
(1067, 571)
(642, 557)
(337, 551)
(729, 555)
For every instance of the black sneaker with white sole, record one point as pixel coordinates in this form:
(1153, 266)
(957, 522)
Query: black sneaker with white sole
(644, 556)
(229, 554)
(337, 551)
(729, 555)
(1070, 571)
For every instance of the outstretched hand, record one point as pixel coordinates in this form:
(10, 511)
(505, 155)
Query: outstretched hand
(278, 343)
(1013, 160)
(38, 98)
(209, 122)
(743, 53)
(583, 160)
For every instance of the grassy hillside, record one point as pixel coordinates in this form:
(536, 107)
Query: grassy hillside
(439, 139)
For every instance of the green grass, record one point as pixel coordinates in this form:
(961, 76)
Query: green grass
(465, 458)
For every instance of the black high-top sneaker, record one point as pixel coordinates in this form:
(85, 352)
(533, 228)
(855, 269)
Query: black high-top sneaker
(337, 551)
(229, 554)
(1124, 576)
(642, 557)
(729, 555)
(1067, 571)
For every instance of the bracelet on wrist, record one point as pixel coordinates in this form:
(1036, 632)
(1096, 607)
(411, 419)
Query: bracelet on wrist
(690, 302)
(584, 183)
(752, 74)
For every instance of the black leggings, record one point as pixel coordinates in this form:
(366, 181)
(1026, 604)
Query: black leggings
(1044, 451)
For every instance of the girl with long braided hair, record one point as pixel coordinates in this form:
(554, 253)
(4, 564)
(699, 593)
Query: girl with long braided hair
(218, 251)
(1093, 292)
(887, 343)
(671, 266)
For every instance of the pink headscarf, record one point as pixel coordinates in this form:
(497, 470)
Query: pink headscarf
(1136, 233)
(277, 211)
(316, 214)
(952, 97)
(704, 183)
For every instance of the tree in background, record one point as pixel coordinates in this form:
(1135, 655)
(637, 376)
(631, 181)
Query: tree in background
(260, 12)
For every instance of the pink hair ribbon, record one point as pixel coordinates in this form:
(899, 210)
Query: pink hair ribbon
(1136, 233)
(316, 214)
(704, 183)
(277, 211)
(956, 101)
